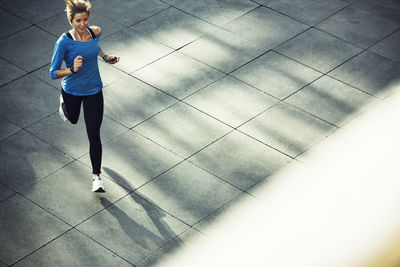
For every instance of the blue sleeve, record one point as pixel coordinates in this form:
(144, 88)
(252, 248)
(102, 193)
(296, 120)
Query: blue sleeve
(58, 57)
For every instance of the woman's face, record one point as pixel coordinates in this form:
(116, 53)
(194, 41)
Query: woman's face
(80, 22)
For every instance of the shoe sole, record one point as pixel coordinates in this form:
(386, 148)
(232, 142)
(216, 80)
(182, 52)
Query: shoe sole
(100, 190)
(60, 109)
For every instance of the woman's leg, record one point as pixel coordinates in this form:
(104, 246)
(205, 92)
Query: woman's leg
(72, 106)
(93, 107)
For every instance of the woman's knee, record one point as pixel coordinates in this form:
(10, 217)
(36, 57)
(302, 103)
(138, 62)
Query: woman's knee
(93, 134)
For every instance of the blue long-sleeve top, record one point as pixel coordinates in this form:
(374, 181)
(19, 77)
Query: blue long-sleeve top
(87, 80)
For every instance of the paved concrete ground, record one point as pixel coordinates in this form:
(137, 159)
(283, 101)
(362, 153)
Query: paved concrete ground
(210, 99)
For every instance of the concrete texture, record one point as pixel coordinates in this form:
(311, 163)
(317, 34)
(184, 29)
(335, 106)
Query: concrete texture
(210, 101)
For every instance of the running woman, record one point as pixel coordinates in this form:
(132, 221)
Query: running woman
(81, 82)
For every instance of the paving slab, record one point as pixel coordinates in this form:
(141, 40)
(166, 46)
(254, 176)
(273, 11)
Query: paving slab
(109, 73)
(33, 11)
(287, 129)
(130, 101)
(371, 73)
(5, 192)
(135, 227)
(361, 23)
(7, 128)
(172, 2)
(173, 27)
(128, 12)
(43, 74)
(72, 139)
(27, 100)
(9, 23)
(180, 243)
(291, 169)
(331, 100)
(174, 169)
(182, 129)
(132, 160)
(207, 225)
(26, 159)
(276, 75)
(265, 28)
(184, 78)
(17, 240)
(307, 11)
(134, 49)
(217, 12)
(388, 47)
(188, 192)
(222, 50)
(19, 52)
(73, 249)
(318, 50)
(240, 160)
(57, 25)
(9, 72)
(231, 101)
(75, 202)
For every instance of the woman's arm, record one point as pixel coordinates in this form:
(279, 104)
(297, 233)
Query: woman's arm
(107, 58)
(58, 57)
(63, 73)
(66, 72)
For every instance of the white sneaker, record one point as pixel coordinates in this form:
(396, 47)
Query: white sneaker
(98, 185)
(61, 109)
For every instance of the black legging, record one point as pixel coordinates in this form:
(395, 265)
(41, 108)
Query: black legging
(93, 107)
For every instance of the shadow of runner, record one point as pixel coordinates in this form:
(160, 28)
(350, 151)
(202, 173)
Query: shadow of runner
(144, 237)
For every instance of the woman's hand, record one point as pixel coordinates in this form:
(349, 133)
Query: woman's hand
(78, 63)
(112, 59)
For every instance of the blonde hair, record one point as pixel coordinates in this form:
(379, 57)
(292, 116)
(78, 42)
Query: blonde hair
(77, 6)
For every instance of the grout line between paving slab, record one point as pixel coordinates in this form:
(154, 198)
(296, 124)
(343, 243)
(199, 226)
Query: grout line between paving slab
(167, 243)
(36, 181)
(13, 123)
(284, 166)
(153, 115)
(286, 15)
(384, 57)
(240, 125)
(236, 198)
(131, 191)
(16, 15)
(72, 227)
(158, 144)
(308, 113)
(281, 13)
(213, 174)
(32, 252)
(153, 15)
(25, 74)
(209, 22)
(34, 203)
(26, 129)
(31, 24)
(106, 248)
(325, 73)
(384, 38)
(13, 194)
(153, 141)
